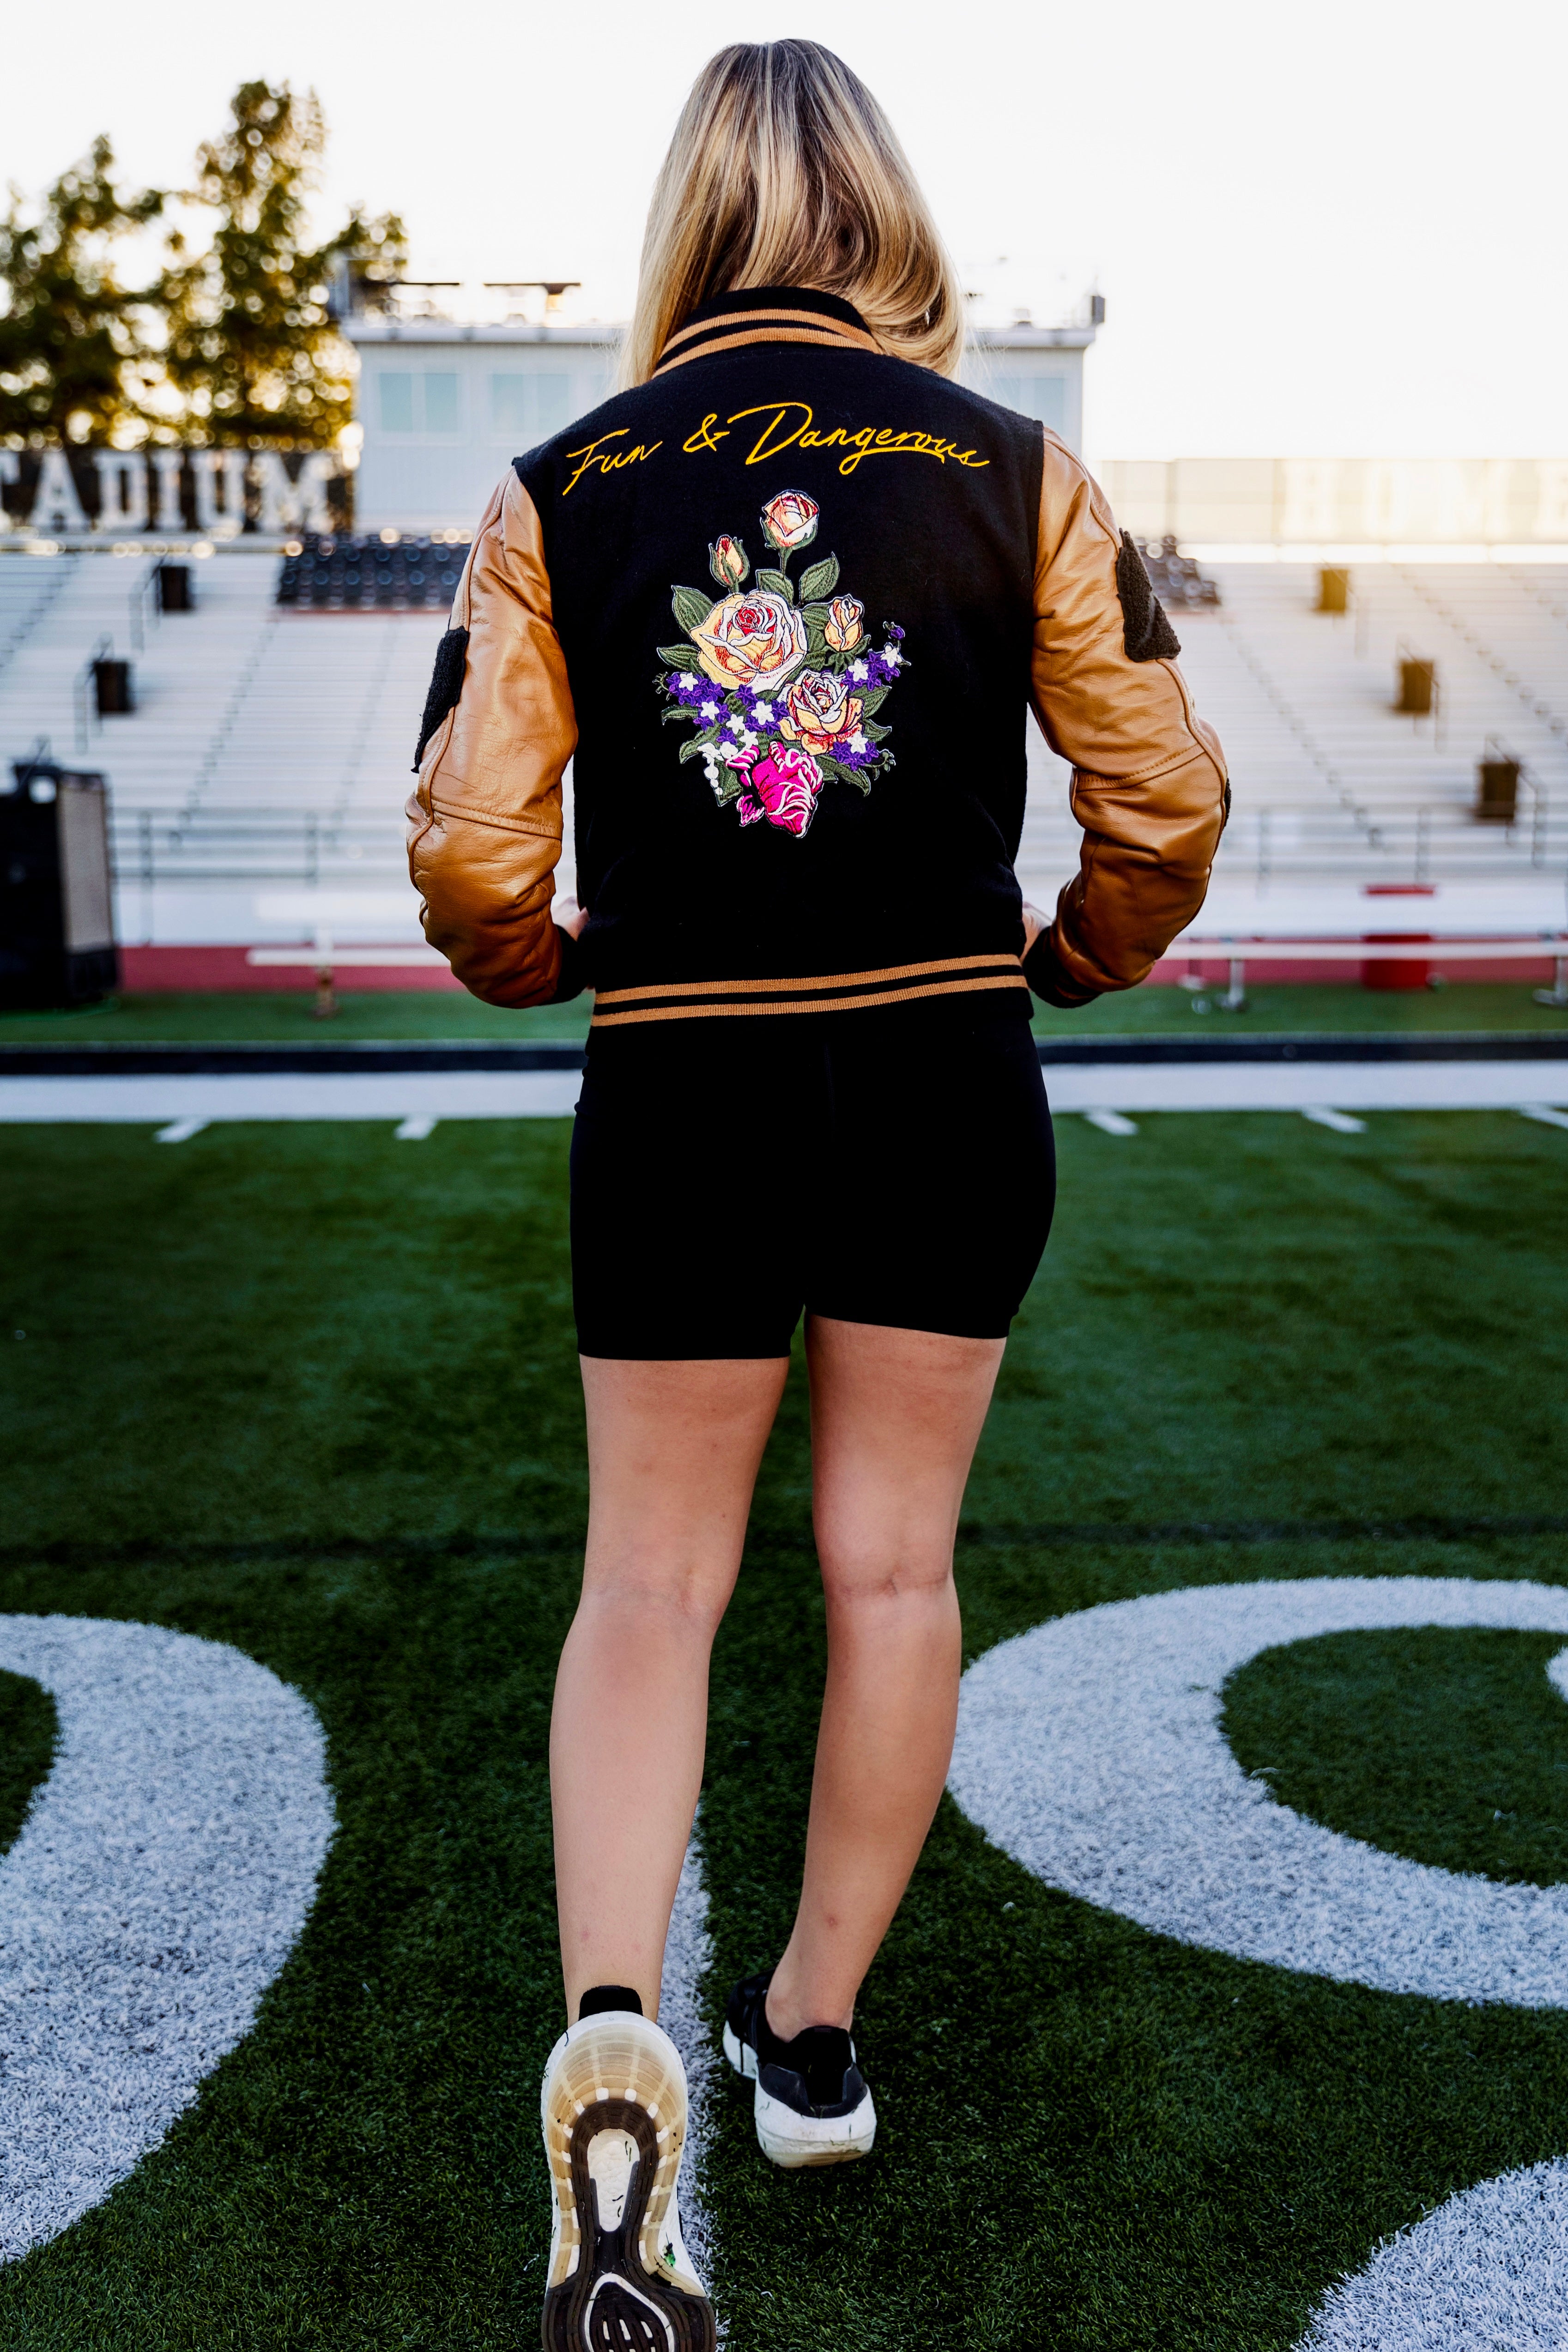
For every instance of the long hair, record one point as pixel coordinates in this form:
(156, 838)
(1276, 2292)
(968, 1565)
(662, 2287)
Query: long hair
(784, 170)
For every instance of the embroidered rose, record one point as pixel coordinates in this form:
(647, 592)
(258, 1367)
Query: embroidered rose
(727, 561)
(842, 626)
(790, 520)
(750, 640)
(771, 731)
(821, 709)
(781, 785)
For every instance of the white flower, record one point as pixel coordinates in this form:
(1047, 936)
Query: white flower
(856, 742)
(764, 711)
(858, 672)
(891, 655)
(710, 711)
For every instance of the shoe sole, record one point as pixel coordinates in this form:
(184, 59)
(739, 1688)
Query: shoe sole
(618, 2081)
(794, 2142)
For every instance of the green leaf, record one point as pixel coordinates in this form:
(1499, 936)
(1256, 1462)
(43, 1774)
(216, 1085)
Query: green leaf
(875, 734)
(690, 606)
(678, 657)
(821, 579)
(698, 744)
(873, 699)
(780, 583)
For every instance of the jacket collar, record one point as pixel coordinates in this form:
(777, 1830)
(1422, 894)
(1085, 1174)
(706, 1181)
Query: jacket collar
(765, 314)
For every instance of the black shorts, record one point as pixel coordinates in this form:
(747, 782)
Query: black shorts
(892, 1167)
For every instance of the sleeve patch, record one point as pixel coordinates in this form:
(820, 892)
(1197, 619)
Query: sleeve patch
(1146, 632)
(446, 686)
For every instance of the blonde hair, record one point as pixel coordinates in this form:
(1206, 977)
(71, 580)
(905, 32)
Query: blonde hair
(784, 170)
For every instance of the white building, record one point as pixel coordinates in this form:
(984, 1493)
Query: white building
(444, 407)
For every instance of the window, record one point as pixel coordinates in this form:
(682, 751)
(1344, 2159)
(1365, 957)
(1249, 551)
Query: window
(397, 403)
(529, 408)
(428, 401)
(440, 403)
(1042, 396)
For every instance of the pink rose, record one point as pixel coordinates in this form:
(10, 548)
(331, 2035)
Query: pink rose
(750, 640)
(790, 520)
(821, 709)
(781, 785)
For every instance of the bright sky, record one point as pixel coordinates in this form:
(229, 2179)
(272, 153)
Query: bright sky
(1324, 231)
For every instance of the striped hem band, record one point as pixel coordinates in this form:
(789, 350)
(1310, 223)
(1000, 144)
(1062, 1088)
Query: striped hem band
(842, 992)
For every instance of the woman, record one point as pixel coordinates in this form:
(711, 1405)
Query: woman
(811, 1082)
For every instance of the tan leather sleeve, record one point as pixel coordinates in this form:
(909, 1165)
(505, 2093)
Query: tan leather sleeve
(484, 820)
(1149, 777)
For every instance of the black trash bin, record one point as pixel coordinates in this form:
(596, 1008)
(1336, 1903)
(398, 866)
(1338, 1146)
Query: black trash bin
(175, 588)
(113, 687)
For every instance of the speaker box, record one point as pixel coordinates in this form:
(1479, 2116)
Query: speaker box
(56, 907)
(175, 588)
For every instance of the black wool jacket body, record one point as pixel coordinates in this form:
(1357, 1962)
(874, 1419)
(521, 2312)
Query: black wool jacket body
(787, 606)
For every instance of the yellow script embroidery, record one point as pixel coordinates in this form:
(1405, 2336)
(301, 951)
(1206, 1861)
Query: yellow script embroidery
(609, 461)
(868, 442)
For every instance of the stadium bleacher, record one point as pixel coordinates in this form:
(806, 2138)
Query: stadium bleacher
(271, 739)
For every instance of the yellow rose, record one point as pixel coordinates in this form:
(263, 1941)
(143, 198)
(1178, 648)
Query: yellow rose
(842, 627)
(820, 710)
(750, 640)
(790, 520)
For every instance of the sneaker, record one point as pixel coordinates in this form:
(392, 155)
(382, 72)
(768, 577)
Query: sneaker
(812, 2104)
(612, 2108)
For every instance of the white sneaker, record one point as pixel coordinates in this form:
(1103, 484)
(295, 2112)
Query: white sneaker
(612, 2110)
(811, 2105)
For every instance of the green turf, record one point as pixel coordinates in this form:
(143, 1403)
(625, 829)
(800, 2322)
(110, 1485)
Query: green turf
(289, 1018)
(311, 1390)
(1451, 1747)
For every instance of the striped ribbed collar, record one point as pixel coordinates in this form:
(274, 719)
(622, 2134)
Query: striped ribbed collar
(765, 314)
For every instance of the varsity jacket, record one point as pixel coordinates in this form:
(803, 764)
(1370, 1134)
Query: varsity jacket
(787, 606)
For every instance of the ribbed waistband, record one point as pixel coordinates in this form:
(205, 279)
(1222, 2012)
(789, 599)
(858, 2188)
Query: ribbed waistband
(836, 992)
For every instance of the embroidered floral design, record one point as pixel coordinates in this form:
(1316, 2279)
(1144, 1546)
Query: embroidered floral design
(781, 682)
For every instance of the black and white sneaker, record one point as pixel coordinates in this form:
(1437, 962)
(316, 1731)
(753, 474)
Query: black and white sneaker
(812, 2103)
(613, 2108)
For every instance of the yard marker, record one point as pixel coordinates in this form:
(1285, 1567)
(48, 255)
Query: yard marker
(1110, 1122)
(416, 1130)
(181, 1131)
(1340, 1120)
(1543, 1112)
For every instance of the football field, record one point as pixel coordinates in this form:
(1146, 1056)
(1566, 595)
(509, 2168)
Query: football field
(309, 1393)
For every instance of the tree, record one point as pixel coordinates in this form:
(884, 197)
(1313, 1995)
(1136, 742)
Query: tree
(72, 337)
(252, 346)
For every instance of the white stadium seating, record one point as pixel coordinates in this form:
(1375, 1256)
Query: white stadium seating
(270, 747)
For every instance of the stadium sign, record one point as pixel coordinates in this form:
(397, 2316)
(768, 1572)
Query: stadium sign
(57, 491)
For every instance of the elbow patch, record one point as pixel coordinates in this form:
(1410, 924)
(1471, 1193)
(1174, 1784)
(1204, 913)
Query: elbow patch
(1145, 631)
(446, 686)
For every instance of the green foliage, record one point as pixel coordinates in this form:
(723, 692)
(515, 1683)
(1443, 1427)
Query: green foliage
(779, 582)
(820, 580)
(690, 606)
(253, 348)
(236, 340)
(74, 342)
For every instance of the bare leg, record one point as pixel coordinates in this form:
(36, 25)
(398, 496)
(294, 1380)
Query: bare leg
(895, 1418)
(673, 1449)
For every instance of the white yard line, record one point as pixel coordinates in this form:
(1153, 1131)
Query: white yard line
(1118, 1091)
(687, 1957)
(1110, 1122)
(159, 1881)
(1340, 1121)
